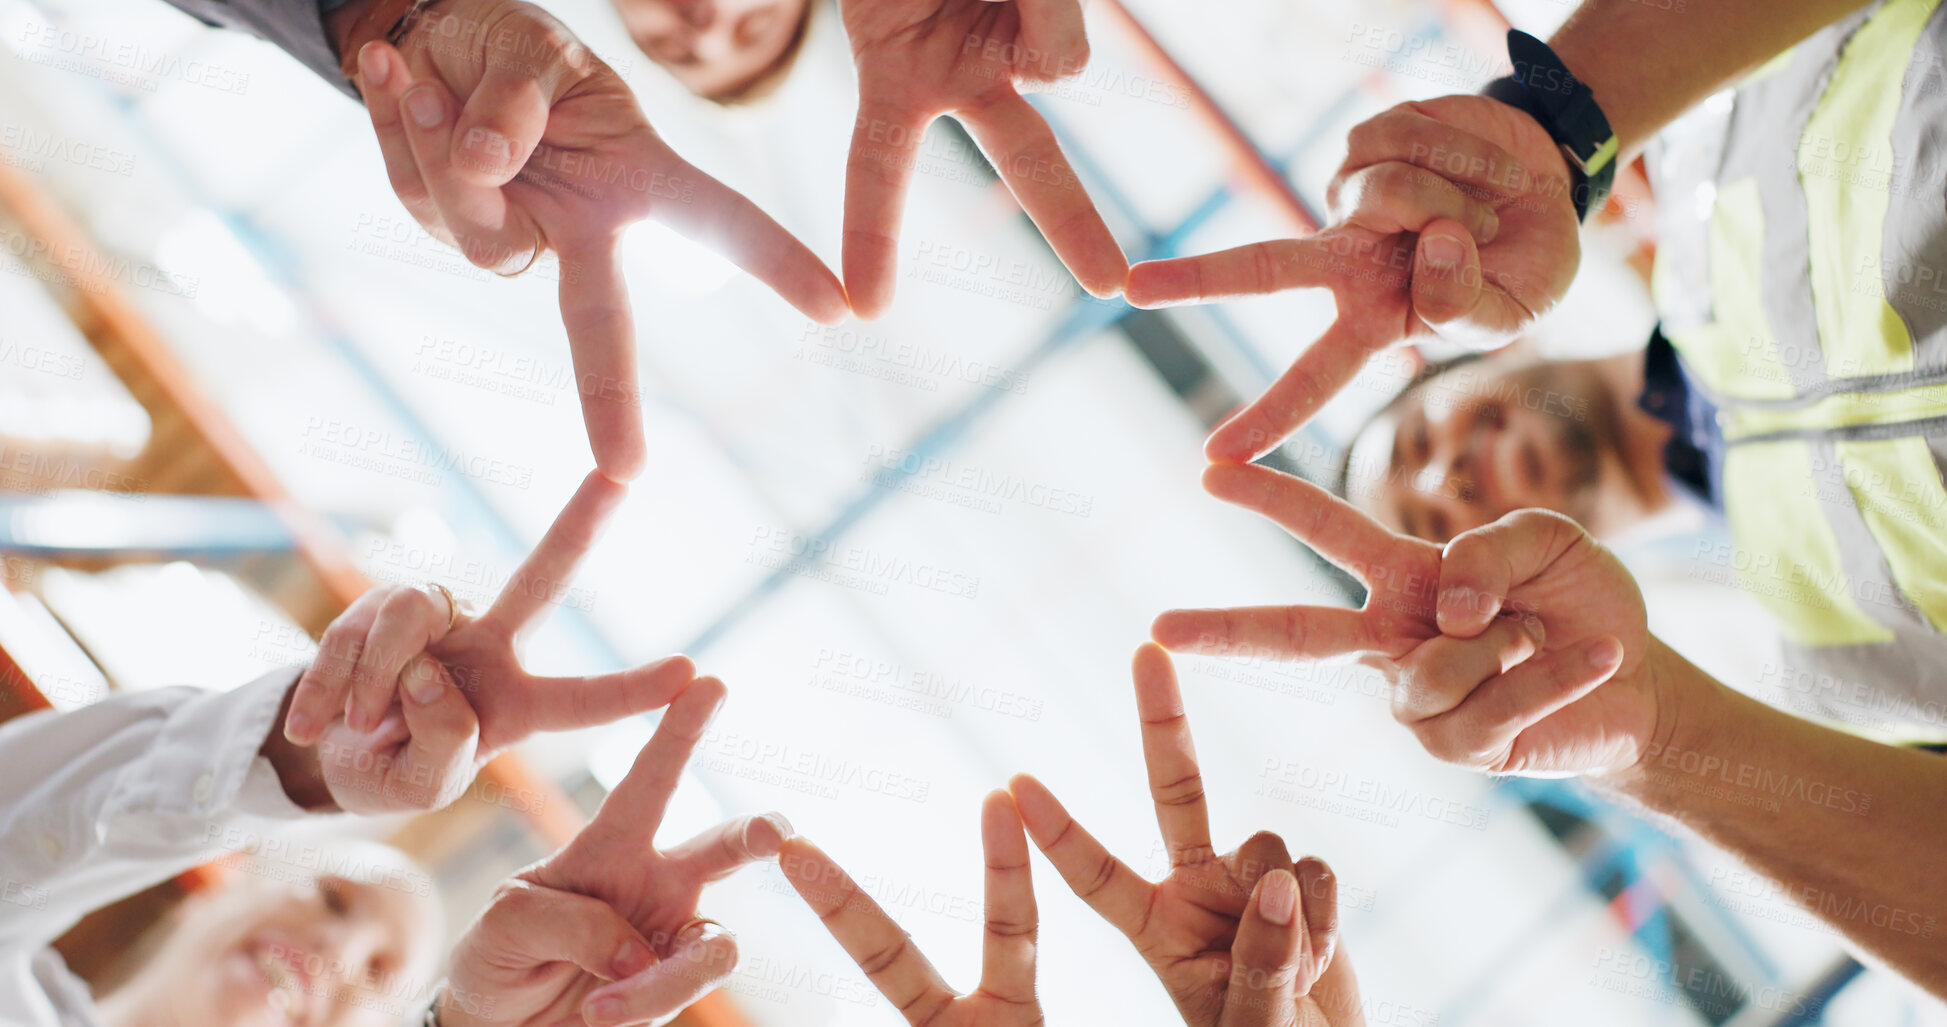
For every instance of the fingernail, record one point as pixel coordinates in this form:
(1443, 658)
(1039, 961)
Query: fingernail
(632, 958)
(422, 680)
(489, 147)
(425, 107)
(1606, 652)
(1456, 602)
(1277, 899)
(764, 836)
(373, 66)
(297, 727)
(1443, 252)
(604, 1011)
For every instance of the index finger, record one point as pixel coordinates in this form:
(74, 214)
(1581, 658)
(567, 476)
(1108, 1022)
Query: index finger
(1322, 371)
(634, 810)
(1269, 632)
(1175, 783)
(878, 172)
(551, 566)
(1253, 270)
(1023, 149)
(879, 946)
(1334, 528)
(601, 342)
(1407, 133)
(725, 220)
(1116, 893)
(319, 697)
(1007, 954)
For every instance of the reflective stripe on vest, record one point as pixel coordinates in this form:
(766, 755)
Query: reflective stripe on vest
(1802, 275)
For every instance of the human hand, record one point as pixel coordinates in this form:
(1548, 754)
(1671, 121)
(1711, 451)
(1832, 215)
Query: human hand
(1005, 997)
(1451, 217)
(408, 698)
(605, 931)
(919, 60)
(1249, 939)
(504, 136)
(1522, 649)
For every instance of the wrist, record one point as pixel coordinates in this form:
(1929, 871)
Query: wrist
(1687, 729)
(298, 769)
(1545, 87)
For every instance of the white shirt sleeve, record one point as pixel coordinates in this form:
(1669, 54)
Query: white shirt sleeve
(102, 802)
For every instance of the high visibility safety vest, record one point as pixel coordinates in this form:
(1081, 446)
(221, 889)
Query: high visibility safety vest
(1802, 276)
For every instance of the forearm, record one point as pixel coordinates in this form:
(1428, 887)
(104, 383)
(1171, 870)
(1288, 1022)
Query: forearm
(1853, 830)
(1649, 62)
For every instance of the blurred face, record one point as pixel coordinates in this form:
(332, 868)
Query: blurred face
(1486, 439)
(329, 952)
(713, 47)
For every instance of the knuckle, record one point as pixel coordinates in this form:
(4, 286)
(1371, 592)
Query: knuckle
(1392, 178)
(407, 602)
(1264, 267)
(1440, 743)
(512, 900)
(1004, 928)
(878, 962)
(1099, 879)
(1184, 791)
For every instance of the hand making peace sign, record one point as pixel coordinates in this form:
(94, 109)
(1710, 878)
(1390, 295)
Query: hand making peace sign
(919, 59)
(1450, 216)
(605, 931)
(505, 136)
(1248, 939)
(901, 972)
(408, 698)
(1522, 648)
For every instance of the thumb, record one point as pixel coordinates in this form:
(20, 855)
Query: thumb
(1446, 273)
(1480, 567)
(704, 958)
(1269, 956)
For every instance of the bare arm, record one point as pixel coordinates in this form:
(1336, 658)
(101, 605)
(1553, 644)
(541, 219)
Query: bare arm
(1649, 62)
(1853, 830)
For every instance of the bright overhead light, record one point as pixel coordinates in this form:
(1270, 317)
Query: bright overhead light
(231, 287)
(665, 260)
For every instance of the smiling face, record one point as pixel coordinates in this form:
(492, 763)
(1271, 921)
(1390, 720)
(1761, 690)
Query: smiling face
(259, 951)
(1467, 446)
(717, 49)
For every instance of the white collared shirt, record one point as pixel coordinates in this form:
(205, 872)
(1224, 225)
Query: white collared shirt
(102, 802)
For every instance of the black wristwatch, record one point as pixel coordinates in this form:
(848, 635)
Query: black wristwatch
(1544, 87)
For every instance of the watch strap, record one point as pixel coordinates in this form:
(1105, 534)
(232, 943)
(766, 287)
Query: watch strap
(1567, 109)
(389, 20)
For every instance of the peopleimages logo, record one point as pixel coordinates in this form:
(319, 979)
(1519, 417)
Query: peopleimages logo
(858, 567)
(124, 62)
(38, 148)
